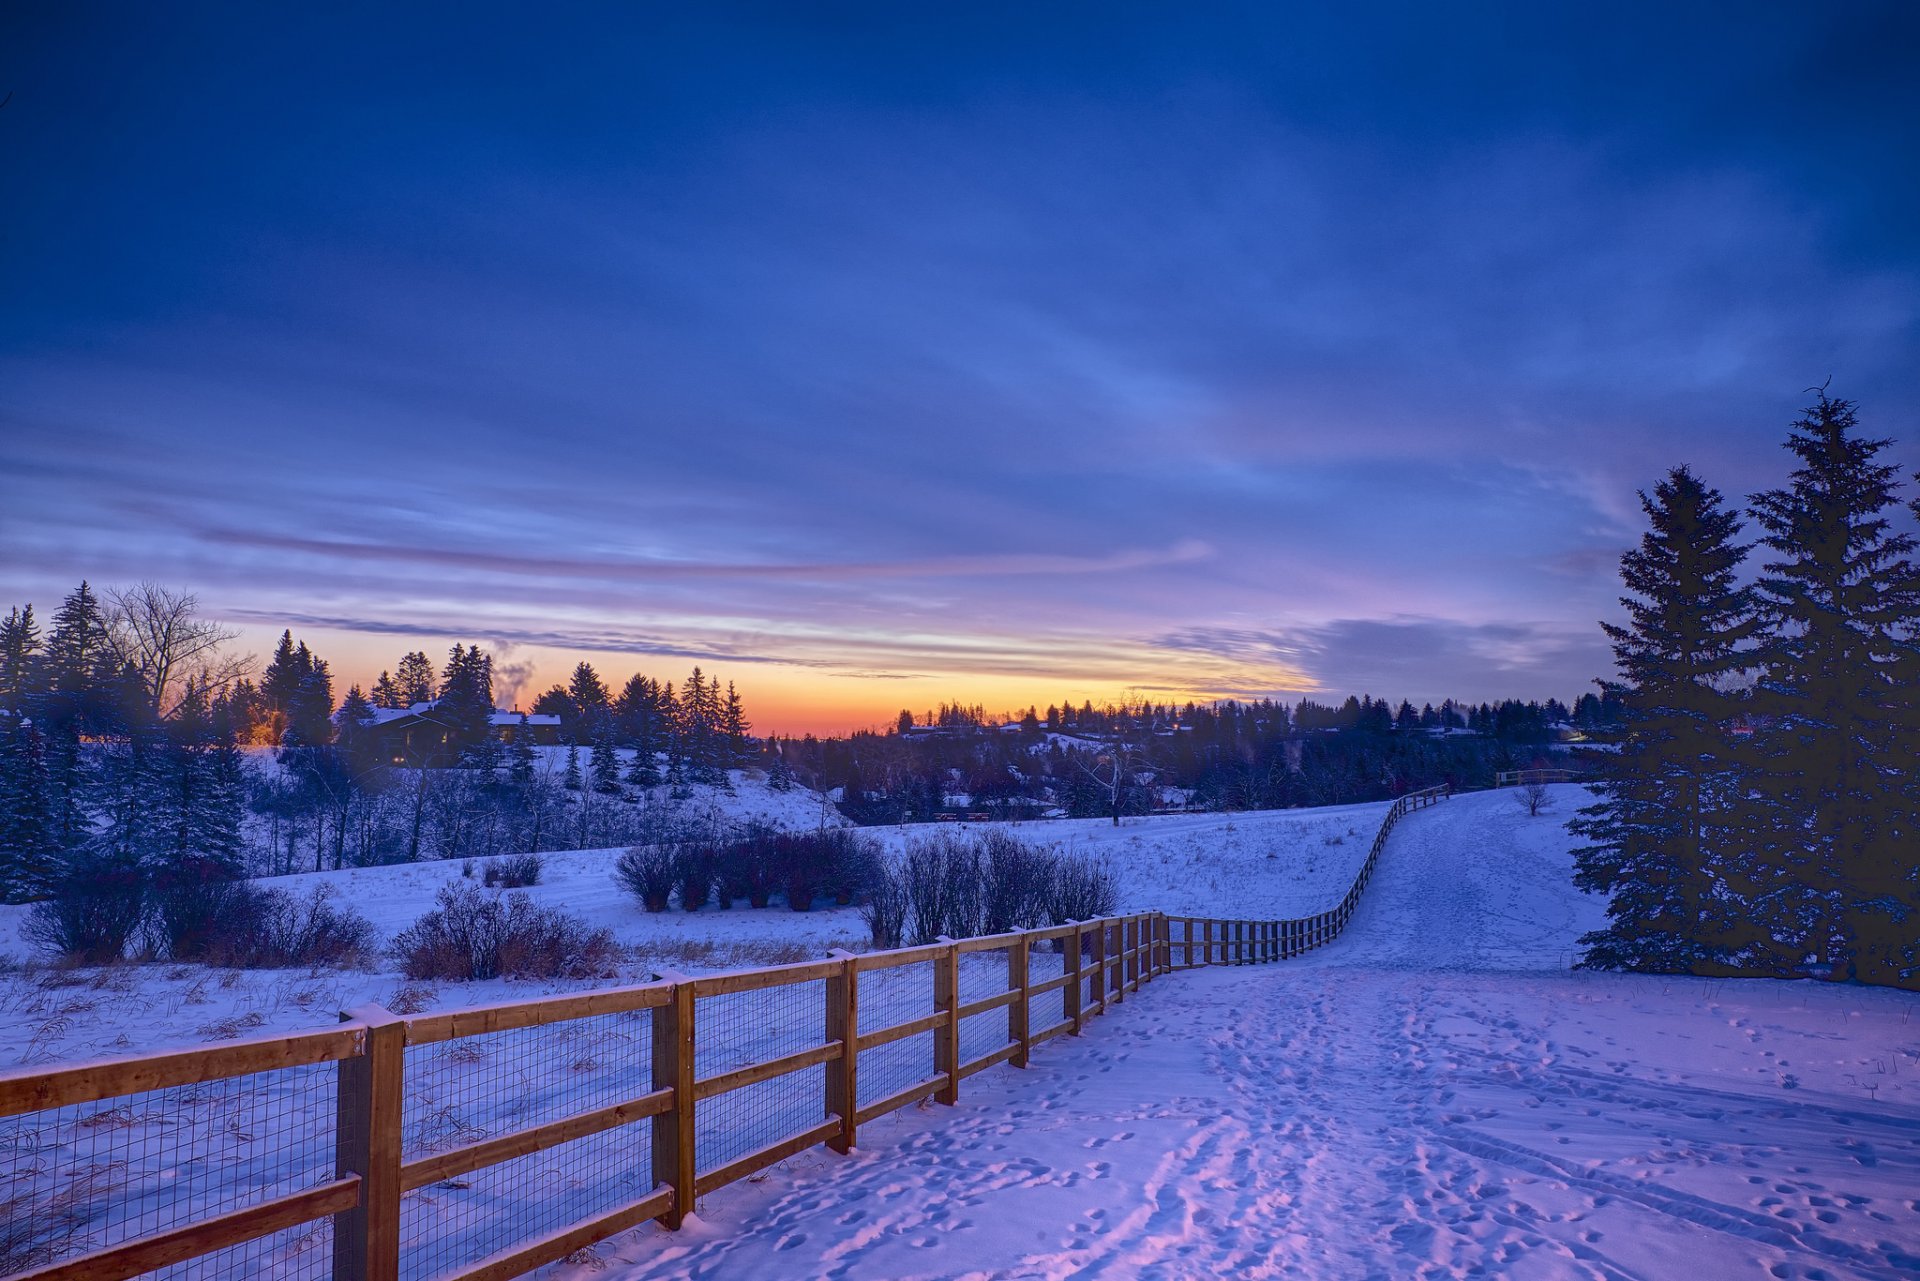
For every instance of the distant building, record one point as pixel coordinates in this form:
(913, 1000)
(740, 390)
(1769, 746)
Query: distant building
(414, 733)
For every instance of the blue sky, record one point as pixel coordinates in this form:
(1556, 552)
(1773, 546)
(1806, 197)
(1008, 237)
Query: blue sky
(874, 355)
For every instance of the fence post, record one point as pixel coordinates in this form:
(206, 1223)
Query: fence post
(1117, 962)
(366, 1142)
(1097, 981)
(843, 1025)
(1132, 928)
(1070, 1006)
(946, 1034)
(1018, 1030)
(673, 1069)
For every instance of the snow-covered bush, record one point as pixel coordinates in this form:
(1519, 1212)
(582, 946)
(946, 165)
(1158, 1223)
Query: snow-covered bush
(514, 871)
(476, 935)
(1016, 877)
(244, 926)
(648, 872)
(694, 872)
(1080, 889)
(95, 910)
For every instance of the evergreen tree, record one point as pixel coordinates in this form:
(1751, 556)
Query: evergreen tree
(1664, 831)
(386, 693)
(604, 765)
(571, 780)
(734, 728)
(413, 679)
(465, 705)
(29, 848)
(1835, 872)
(591, 702)
(520, 770)
(19, 658)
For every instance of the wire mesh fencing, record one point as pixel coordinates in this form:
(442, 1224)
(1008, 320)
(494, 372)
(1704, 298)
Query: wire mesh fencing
(889, 998)
(739, 1030)
(473, 1088)
(984, 974)
(89, 1176)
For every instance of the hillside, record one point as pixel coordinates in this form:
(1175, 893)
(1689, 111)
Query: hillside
(1433, 1096)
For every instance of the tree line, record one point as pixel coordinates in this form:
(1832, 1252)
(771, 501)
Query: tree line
(1761, 815)
(1131, 758)
(123, 725)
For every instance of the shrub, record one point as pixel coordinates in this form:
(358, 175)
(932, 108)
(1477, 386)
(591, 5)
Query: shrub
(95, 910)
(834, 863)
(648, 872)
(1080, 890)
(476, 935)
(515, 871)
(886, 906)
(304, 931)
(750, 866)
(1016, 878)
(192, 915)
(941, 878)
(694, 871)
(245, 926)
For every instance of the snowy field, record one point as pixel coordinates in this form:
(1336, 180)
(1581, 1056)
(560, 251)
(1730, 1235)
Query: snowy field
(1256, 865)
(1433, 1096)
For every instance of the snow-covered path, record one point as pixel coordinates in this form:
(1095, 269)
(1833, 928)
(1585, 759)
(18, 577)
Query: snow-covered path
(1435, 1096)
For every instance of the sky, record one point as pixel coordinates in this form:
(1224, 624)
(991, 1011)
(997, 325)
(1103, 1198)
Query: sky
(877, 356)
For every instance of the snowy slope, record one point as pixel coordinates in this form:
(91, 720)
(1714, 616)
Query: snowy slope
(1433, 1096)
(1278, 863)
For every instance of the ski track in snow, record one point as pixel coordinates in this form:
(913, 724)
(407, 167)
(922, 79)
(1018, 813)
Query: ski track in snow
(1433, 1096)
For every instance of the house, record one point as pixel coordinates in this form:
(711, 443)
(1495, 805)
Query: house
(415, 733)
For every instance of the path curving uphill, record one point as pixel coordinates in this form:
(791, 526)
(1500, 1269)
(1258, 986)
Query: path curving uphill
(1433, 1095)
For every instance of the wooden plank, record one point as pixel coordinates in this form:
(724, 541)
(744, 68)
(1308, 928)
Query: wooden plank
(986, 1003)
(843, 1025)
(772, 1154)
(192, 1240)
(425, 1029)
(754, 1073)
(473, 1156)
(990, 942)
(1053, 984)
(37, 1088)
(912, 1094)
(900, 1031)
(1047, 1033)
(521, 1259)
(898, 956)
(766, 977)
(1054, 931)
(366, 1237)
(946, 1036)
(673, 1130)
(985, 1061)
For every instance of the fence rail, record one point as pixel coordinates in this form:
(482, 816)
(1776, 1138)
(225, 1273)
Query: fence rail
(480, 1144)
(1521, 777)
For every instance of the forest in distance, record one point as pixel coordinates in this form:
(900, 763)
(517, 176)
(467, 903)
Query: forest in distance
(130, 736)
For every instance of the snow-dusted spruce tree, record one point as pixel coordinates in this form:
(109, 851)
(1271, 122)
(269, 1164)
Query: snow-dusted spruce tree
(1834, 844)
(1661, 841)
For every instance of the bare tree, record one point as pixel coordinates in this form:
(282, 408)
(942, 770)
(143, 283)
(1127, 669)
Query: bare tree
(161, 635)
(1114, 769)
(1532, 795)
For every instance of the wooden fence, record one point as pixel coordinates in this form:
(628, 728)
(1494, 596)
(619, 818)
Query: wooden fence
(1521, 777)
(483, 1143)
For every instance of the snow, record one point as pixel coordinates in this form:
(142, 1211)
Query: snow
(1433, 1096)
(1269, 864)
